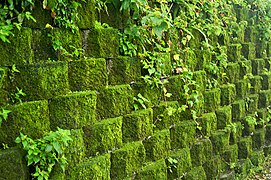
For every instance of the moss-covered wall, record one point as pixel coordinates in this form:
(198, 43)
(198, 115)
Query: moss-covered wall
(93, 97)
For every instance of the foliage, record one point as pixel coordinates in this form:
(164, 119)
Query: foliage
(4, 115)
(45, 153)
(140, 102)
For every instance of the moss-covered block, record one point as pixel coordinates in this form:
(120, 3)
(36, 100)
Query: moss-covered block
(196, 173)
(248, 50)
(257, 158)
(258, 139)
(244, 147)
(238, 110)
(41, 16)
(203, 58)
(165, 114)
(266, 81)
(183, 134)
(257, 66)
(19, 50)
(212, 99)
(241, 89)
(175, 87)
(255, 82)
(249, 125)
(137, 125)
(86, 14)
(220, 140)
(114, 101)
(154, 170)
(103, 136)
(236, 130)
(264, 98)
(234, 52)
(268, 135)
(3, 86)
(30, 118)
(261, 118)
(127, 160)
(228, 93)
(201, 151)
(250, 34)
(123, 70)
(224, 116)
(267, 150)
(66, 36)
(73, 111)
(43, 81)
(100, 42)
(233, 72)
(243, 168)
(230, 155)
(94, 168)
(268, 62)
(200, 78)
(252, 103)
(42, 45)
(88, 74)
(208, 122)
(76, 152)
(158, 145)
(245, 68)
(213, 167)
(183, 165)
(261, 49)
(13, 164)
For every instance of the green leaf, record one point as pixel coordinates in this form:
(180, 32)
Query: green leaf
(57, 147)
(48, 148)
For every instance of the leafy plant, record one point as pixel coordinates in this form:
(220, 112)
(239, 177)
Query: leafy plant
(140, 101)
(4, 115)
(43, 154)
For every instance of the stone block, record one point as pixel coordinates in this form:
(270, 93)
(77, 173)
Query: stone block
(265, 81)
(196, 173)
(257, 158)
(245, 68)
(208, 122)
(233, 72)
(200, 78)
(255, 82)
(261, 49)
(234, 52)
(212, 100)
(248, 50)
(228, 93)
(257, 66)
(213, 167)
(258, 139)
(238, 110)
(268, 135)
(224, 116)
(86, 14)
(153, 170)
(241, 89)
(244, 147)
(88, 74)
(230, 155)
(201, 151)
(252, 103)
(220, 140)
(264, 98)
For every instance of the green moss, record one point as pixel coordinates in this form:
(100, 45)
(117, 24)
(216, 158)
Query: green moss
(43, 81)
(212, 100)
(228, 93)
(250, 34)
(261, 118)
(3, 86)
(30, 118)
(137, 125)
(265, 81)
(208, 122)
(241, 89)
(73, 111)
(255, 82)
(238, 110)
(234, 52)
(245, 68)
(13, 165)
(268, 134)
(183, 134)
(200, 78)
(224, 116)
(183, 165)
(244, 147)
(175, 87)
(213, 167)
(230, 156)
(87, 74)
(66, 36)
(76, 152)
(257, 158)
(96, 40)
(86, 14)
(197, 154)
(261, 49)
(233, 72)
(258, 139)
(243, 168)
(264, 98)
(42, 45)
(257, 66)
(94, 168)
(249, 128)
(114, 101)
(123, 70)
(127, 160)
(268, 62)
(158, 145)
(196, 173)
(165, 114)
(203, 58)
(248, 50)
(236, 132)
(252, 103)
(220, 140)
(103, 136)
(19, 50)
(41, 16)
(154, 170)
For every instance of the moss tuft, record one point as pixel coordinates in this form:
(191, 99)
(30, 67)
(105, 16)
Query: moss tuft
(154, 170)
